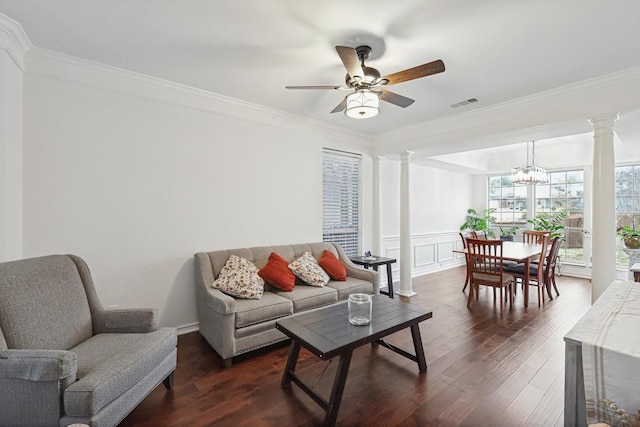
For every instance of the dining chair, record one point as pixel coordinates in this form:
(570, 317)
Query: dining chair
(481, 234)
(534, 236)
(464, 235)
(535, 275)
(485, 268)
(550, 266)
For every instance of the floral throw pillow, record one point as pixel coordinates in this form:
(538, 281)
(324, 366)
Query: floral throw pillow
(239, 278)
(309, 271)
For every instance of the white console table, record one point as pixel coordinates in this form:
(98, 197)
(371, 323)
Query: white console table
(602, 356)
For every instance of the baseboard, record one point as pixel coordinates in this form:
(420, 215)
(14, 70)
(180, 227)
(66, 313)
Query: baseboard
(186, 329)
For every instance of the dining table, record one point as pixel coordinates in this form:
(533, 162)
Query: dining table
(519, 252)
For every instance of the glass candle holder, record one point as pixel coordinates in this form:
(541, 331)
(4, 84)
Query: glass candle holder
(359, 309)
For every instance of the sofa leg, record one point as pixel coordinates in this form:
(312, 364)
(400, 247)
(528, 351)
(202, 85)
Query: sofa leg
(168, 382)
(226, 363)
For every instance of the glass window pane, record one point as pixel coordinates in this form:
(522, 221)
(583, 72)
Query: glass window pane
(558, 190)
(575, 190)
(494, 181)
(575, 176)
(624, 172)
(557, 177)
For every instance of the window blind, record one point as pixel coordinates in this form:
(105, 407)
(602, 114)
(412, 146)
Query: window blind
(341, 179)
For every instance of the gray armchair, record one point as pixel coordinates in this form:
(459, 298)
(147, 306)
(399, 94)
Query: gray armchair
(64, 359)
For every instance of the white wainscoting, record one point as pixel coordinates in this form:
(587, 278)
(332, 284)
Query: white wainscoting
(430, 252)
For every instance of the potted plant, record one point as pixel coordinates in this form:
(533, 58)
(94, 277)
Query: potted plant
(630, 236)
(507, 234)
(479, 221)
(552, 223)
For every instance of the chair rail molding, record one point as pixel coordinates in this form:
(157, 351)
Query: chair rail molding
(431, 252)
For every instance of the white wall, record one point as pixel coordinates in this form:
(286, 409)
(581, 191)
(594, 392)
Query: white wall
(136, 184)
(439, 201)
(10, 157)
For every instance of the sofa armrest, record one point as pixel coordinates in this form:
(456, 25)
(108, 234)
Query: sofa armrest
(357, 272)
(38, 365)
(134, 320)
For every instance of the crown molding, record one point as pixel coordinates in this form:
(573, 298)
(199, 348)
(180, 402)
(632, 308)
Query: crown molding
(14, 40)
(58, 66)
(595, 97)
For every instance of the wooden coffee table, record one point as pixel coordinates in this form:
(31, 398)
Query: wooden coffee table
(327, 333)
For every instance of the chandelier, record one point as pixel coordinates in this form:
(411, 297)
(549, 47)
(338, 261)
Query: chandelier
(362, 104)
(530, 174)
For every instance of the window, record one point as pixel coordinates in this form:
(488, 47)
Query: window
(509, 201)
(341, 178)
(627, 203)
(565, 193)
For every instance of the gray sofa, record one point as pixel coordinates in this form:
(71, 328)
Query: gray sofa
(236, 326)
(64, 359)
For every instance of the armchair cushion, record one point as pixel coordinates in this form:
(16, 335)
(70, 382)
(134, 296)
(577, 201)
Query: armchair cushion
(111, 364)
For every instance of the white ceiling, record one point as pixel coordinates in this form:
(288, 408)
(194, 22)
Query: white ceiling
(494, 50)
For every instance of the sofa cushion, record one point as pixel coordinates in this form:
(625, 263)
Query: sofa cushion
(332, 265)
(306, 297)
(350, 286)
(239, 278)
(308, 270)
(111, 364)
(271, 306)
(277, 273)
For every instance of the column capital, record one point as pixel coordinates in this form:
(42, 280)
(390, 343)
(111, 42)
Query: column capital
(608, 118)
(406, 155)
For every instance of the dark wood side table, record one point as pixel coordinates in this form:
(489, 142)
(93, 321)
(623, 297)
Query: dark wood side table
(375, 262)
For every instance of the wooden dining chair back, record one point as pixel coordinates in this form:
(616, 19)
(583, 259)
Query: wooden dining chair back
(485, 268)
(535, 275)
(550, 266)
(464, 235)
(481, 234)
(534, 236)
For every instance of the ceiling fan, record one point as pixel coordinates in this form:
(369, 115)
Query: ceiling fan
(368, 84)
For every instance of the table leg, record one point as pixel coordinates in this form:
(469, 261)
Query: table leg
(292, 361)
(337, 389)
(417, 344)
(526, 282)
(390, 280)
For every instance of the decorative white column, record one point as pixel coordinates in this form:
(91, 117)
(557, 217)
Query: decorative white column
(603, 270)
(377, 190)
(405, 226)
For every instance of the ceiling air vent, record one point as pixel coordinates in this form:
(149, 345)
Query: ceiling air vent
(465, 102)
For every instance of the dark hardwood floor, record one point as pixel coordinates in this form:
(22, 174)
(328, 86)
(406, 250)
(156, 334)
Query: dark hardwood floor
(483, 370)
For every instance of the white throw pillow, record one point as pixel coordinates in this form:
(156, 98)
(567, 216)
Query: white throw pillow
(239, 278)
(307, 269)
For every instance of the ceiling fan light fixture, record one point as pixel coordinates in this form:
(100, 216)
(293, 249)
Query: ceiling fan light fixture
(362, 104)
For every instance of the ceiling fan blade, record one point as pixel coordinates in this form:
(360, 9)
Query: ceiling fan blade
(314, 87)
(341, 106)
(394, 98)
(351, 62)
(423, 70)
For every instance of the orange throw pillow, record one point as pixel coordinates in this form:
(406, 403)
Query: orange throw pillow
(277, 273)
(332, 265)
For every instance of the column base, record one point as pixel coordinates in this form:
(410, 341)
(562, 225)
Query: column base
(405, 293)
